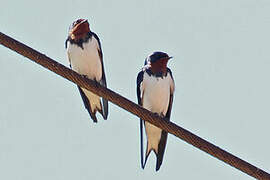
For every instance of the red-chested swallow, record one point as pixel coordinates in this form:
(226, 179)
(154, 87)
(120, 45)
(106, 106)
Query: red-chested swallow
(155, 88)
(86, 58)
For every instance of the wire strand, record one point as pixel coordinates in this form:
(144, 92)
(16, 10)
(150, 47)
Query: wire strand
(135, 109)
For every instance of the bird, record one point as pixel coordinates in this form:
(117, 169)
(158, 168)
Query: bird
(86, 58)
(155, 90)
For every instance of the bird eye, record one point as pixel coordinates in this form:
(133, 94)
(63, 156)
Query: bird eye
(78, 21)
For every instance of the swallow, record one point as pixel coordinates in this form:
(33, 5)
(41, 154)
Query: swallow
(155, 89)
(85, 57)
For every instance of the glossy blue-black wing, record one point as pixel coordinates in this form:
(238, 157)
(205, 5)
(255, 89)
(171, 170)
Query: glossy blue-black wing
(87, 106)
(139, 81)
(168, 114)
(103, 79)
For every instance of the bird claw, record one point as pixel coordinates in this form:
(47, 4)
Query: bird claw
(156, 114)
(85, 76)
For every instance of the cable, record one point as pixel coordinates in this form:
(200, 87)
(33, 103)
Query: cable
(135, 109)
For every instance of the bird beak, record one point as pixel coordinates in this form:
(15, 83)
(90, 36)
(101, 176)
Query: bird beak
(170, 58)
(85, 20)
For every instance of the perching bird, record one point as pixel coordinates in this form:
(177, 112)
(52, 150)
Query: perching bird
(86, 58)
(155, 88)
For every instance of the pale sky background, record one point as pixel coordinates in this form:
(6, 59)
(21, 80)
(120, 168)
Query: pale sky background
(221, 68)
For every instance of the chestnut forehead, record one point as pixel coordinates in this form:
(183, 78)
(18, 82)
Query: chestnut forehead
(159, 66)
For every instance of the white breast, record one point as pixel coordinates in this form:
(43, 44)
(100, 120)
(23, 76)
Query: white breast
(86, 61)
(155, 97)
(156, 93)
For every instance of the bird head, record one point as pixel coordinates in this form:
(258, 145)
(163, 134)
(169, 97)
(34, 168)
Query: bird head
(79, 29)
(157, 62)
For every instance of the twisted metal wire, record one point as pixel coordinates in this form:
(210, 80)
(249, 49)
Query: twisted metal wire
(135, 109)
